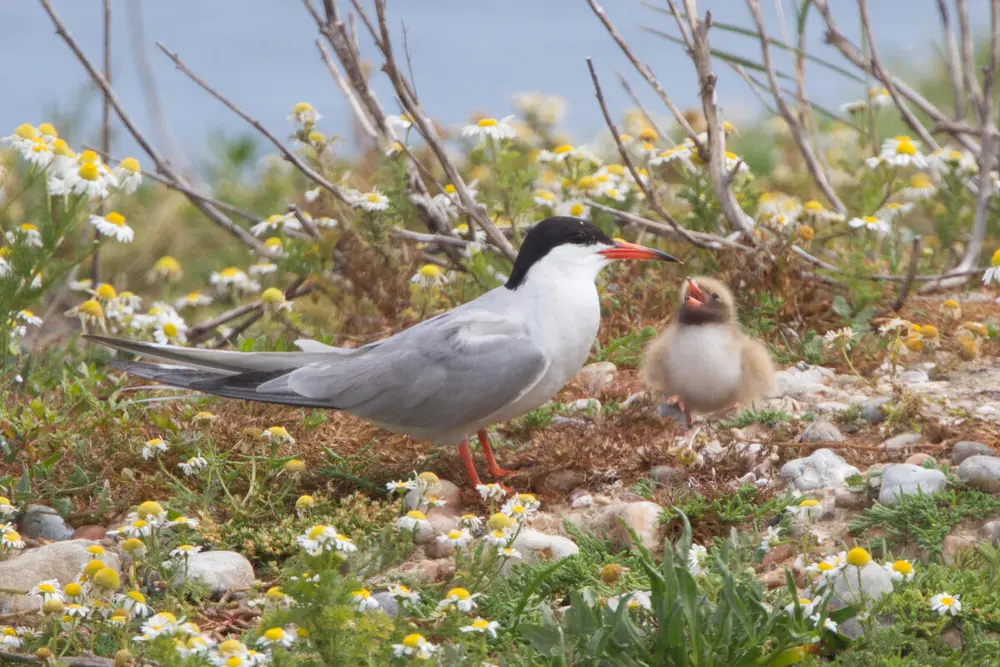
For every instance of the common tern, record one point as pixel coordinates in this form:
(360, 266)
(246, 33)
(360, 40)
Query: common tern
(487, 361)
(703, 359)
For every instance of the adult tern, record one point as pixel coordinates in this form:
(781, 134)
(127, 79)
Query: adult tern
(487, 361)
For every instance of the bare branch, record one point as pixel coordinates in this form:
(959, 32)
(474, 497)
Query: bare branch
(702, 55)
(642, 109)
(911, 273)
(214, 214)
(440, 239)
(851, 52)
(359, 111)
(202, 331)
(967, 55)
(645, 72)
(646, 190)
(897, 99)
(951, 59)
(477, 215)
(95, 267)
(290, 155)
(794, 126)
(304, 221)
(711, 241)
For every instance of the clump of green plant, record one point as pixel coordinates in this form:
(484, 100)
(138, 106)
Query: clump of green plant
(764, 416)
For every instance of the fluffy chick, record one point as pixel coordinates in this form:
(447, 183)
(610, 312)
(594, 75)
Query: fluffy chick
(703, 358)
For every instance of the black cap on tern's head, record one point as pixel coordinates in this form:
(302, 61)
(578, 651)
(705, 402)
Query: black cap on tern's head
(555, 232)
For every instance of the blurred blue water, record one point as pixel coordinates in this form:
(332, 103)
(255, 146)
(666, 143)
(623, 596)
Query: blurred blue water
(467, 56)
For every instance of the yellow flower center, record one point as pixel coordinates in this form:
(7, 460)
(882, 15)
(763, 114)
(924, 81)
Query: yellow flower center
(809, 502)
(545, 194)
(116, 219)
(91, 308)
(107, 578)
(167, 264)
(41, 147)
(274, 634)
(577, 209)
(88, 157)
(273, 296)
(951, 303)
(302, 107)
(170, 329)
(458, 594)
(929, 331)
(9, 632)
(88, 172)
(587, 182)
(903, 567)
(648, 134)
(955, 156)
(450, 189)
(137, 596)
(274, 593)
(565, 148)
(73, 589)
(317, 137)
(920, 181)
(612, 192)
(804, 601)
(26, 131)
(487, 122)
(132, 544)
(95, 550)
(870, 219)
(12, 536)
(905, 148)
(823, 566)
(413, 641)
(616, 169)
(4, 500)
(373, 197)
(995, 260)
(28, 227)
(454, 534)
(364, 594)
(480, 624)
(47, 588)
(947, 601)
(416, 515)
(130, 164)
(106, 291)
(230, 272)
(47, 130)
(731, 156)
(431, 271)
(858, 557)
(60, 147)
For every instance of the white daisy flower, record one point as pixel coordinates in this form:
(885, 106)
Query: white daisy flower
(894, 325)
(170, 329)
(303, 113)
(921, 187)
(429, 275)
(892, 210)
(808, 508)
(734, 161)
(508, 552)
(460, 598)
(29, 317)
(697, 560)
(902, 151)
(113, 224)
(193, 300)
(498, 538)
(11, 539)
(276, 637)
(24, 137)
(371, 201)
(992, 274)
(946, 603)
(471, 521)
(805, 604)
(401, 486)
(6, 510)
(26, 233)
(490, 128)
(154, 447)
(558, 154)
(636, 600)
(840, 338)
(193, 465)
(545, 198)
(412, 520)
(945, 160)
(135, 603)
(414, 645)
(400, 123)
(870, 223)
(90, 181)
(490, 491)
(880, 97)
(276, 222)
(325, 223)
(814, 210)
(39, 154)
(235, 279)
(404, 594)
(129, 175)
(572, 208)
(828, 623)
(365, 600)
(311, 195)
(48, 590)
(900, 570)
(481, 625)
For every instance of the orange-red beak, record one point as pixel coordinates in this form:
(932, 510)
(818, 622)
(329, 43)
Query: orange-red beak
(626, 250)
(696, 297)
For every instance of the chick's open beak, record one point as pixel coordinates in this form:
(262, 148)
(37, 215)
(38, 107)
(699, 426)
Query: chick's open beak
(626, 250)
(696, 297)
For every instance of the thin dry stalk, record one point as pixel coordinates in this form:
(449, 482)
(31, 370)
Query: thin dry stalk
(289, 154)
(646, 190)
(95, 267)
(794, 126)
(162, 166)
(911, 273)
(711, 241)
(642, 109)
(701, 54)
(967, 56)
(951, 59)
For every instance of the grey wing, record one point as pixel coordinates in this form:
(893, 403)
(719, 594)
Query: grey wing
(459, 369)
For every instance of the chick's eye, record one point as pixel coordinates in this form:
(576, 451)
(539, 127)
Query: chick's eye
(714, 295)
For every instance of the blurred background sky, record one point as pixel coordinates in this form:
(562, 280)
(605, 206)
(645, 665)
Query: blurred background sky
(468, 56)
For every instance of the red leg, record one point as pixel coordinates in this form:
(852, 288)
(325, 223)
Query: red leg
(687, 415)
(470, 467)
(491, 463)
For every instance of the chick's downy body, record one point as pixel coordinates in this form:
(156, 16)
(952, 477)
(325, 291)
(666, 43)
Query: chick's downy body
(703, 357)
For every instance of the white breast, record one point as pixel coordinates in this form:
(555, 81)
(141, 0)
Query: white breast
(704, 366)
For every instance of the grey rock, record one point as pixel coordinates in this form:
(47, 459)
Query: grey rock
(671, 412)
(872, 410)
(597, 376)
(823, 469)
(558, 420)
(852, 500)
(831, 406)
(848, 589)
(62, 561)
(952, 547)
(439, 522)
(919, 459)
(981, 472)
(633, 399)
(222, 571)
(387, 603)
(915, 376)
(821, 431)
(952, 637)
(41, 521)
(536, 546)
(589, 406)
(443, 490)
(666, 475)
(990, 531)
(966, 448)
(901, 441)
(906, 479)
(563, 481)
(580, 499)
(802, 380)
